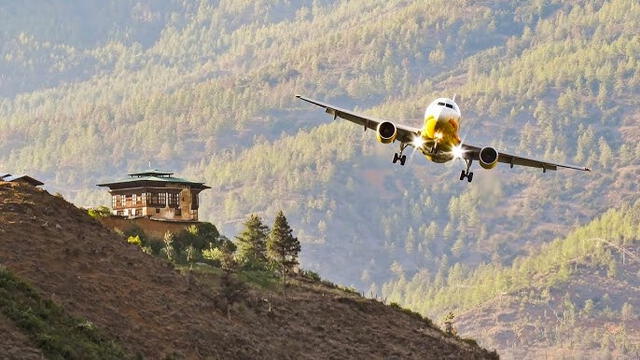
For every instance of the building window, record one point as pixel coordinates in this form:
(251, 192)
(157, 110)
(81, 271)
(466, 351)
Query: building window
(178, 212)
(173, 199)
(117, 201)
(158, 199)
(157, 211)
(138, 212)
(120, 213)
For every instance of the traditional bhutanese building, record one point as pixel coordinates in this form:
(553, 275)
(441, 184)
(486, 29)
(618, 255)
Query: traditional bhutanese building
(157, 195)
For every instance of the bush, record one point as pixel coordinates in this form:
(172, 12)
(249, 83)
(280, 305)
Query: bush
(135, 240)
(311, 275)
(199, 236)
(414, 314)
(99, 212)
(471, 342)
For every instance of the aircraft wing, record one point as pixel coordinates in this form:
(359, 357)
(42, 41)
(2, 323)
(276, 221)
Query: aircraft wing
(405, 133)
(472, 152)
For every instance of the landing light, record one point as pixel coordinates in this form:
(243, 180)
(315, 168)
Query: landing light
(417, 142)
(458, 152)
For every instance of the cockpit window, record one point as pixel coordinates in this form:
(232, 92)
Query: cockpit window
(441, 103)
(448, 105)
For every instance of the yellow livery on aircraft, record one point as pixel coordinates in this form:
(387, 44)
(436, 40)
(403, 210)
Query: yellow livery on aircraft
(438, 139)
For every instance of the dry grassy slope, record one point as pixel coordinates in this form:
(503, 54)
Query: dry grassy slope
(153, 310)
(521, 324)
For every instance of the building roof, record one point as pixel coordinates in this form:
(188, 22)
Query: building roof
(152, 177)
(4, 176)
(22, 179)
(151, 172)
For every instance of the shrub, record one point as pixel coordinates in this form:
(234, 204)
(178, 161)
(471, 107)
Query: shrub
(135, 240)
(99, 212)
(311, 275)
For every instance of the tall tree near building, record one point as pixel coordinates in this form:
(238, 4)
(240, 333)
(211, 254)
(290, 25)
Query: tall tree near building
(252, 243)
(282, 247)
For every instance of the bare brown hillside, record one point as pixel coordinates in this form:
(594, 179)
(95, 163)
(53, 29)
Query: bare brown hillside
(153, 310)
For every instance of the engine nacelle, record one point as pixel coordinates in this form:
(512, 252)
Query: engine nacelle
(387, 132)
(488, 157)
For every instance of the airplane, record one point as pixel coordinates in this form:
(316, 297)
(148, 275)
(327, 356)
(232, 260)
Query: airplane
(438, 139)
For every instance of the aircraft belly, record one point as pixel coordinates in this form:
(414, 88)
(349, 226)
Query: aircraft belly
(443, 153)
(440, 157)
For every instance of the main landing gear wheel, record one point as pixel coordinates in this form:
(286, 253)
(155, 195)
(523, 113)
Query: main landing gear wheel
(466, 173)
(399, 157)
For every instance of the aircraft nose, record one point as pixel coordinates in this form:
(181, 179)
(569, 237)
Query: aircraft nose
(442, 116)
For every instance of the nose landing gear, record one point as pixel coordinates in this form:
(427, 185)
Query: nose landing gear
(466, 173)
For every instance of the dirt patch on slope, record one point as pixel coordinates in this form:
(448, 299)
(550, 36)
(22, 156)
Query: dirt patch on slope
(153, 310)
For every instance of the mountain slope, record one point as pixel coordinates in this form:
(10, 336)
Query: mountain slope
(576, 296)
(154, 311)
(550, 79)
(207, 89)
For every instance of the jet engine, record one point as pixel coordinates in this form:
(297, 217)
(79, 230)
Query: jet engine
(387, 132)
(488, 157)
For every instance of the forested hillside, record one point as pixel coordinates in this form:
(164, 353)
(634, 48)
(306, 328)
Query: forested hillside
(579, 293)
(206, 88)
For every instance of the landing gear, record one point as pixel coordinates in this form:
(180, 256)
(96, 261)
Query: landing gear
(399, 157)
(466, 173)
(434, 148)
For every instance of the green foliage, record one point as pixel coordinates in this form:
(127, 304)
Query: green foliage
(58, 334)
(252, 243)
(282, 247)
(199, 236)
(589, 244)
(99, 212)
(135, 240)
(262, 278)
(311, 275)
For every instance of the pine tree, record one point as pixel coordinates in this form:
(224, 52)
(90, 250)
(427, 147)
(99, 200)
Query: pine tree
(282, 247)
(252, 251)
